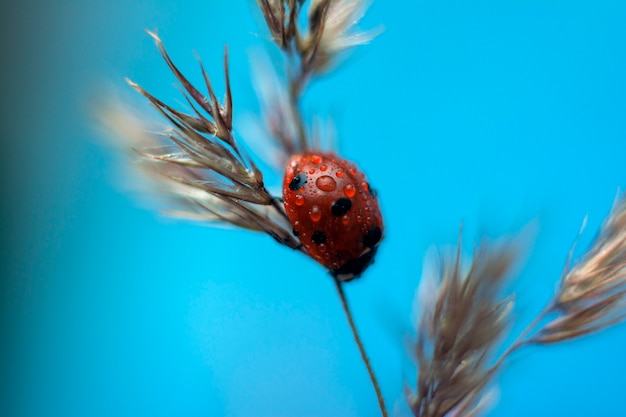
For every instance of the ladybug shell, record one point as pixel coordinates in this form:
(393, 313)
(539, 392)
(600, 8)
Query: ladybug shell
(333, 212)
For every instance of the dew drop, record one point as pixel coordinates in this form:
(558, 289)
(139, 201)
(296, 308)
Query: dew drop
(352, 171)
(299, 200)
(339, 174)
(316, 159)
(345, 220)
(326, 183)
(323, 168)
(315, 214)
(311, 171)
(349, 190)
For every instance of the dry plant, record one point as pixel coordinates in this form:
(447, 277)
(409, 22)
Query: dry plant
(200, 167)
(460, 325)
(463, 316)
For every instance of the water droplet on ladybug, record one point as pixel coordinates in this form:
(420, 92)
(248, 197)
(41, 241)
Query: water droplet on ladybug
(299, 200)
(316, 159)
(315, 214)
(349, 190)
(345, 220)
(339, 174)
(323, 168)
(326, 183)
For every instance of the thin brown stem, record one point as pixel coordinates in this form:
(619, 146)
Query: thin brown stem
(521, 339)
(359, 343)
(296, 85)
(278, 205)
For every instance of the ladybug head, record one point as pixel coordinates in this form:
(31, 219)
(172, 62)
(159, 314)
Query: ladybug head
(355, 267)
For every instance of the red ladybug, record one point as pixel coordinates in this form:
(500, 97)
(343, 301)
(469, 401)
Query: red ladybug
(333, 212)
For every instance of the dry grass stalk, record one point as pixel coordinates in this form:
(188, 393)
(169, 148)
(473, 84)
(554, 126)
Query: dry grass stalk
(328, 32)
(310, 52)
(592, 294)
(462, 319)
(197, 161)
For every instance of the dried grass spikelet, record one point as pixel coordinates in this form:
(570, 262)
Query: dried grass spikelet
(310, 50)
(329, 30)
(197, 161)
(280, 17)
(462, 319)
(592, 294)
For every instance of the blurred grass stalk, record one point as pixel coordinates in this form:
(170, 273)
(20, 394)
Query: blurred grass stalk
(463, 317)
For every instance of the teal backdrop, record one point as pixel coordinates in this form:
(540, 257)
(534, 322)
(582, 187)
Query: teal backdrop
(497, 114)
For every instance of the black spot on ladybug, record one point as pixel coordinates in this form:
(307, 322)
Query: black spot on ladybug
(318, 237)
(355, 267)
(297, 182)
(341, 207)
(372, 237)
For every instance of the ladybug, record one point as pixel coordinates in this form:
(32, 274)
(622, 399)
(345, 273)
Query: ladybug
(333, 212)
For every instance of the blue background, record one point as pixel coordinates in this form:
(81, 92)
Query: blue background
(494, 113)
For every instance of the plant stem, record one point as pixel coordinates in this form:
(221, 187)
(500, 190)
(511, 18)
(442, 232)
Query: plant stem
(296, 84)
(521, 339)
(359, 343)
